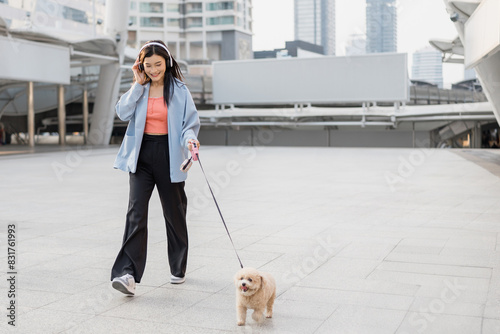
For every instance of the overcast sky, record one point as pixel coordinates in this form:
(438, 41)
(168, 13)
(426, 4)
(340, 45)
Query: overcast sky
(418, 22)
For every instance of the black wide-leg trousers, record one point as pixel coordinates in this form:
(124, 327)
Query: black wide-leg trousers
(153, 168)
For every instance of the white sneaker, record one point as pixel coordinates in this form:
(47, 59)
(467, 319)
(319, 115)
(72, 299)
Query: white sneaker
(177, 280)
(124, 284)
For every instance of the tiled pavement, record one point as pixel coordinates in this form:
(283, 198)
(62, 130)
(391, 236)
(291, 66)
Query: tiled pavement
(359, 241)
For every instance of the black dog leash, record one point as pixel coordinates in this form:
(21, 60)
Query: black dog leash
(196, 156)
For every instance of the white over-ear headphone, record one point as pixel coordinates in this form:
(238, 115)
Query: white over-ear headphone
(158, 44)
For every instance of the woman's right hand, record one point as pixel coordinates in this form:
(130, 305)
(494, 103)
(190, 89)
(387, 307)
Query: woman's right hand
(140, 77)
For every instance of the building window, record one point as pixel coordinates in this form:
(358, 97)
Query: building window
(154, 22)
(173, 8)
(224, 5)
(194, 22)
(227, 20)
(133, 20)
(75, 15)
(151, 7)
(220, 20)
(196, 7)
(133, 5)
(173, 23)
(132, 38)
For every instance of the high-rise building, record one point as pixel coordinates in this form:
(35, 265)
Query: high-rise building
(197, 31)
(315, 23)
(381, 26)
(428, 66)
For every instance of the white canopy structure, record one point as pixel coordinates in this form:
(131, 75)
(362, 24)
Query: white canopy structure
(478, 26)
(45, 67)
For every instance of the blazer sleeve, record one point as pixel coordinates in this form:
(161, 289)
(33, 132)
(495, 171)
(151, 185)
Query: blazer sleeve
(191, 121)
(125, 108)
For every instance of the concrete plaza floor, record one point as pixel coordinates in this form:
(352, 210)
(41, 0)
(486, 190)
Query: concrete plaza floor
(359, 241)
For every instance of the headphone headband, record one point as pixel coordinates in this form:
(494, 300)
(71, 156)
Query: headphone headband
(158, 44)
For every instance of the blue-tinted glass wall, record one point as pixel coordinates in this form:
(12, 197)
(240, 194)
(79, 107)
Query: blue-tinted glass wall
(315, 23)
(381, 26)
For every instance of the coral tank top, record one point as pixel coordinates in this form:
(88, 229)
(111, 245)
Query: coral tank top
(156, 118)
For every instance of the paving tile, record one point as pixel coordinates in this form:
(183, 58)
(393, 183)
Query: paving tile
(363, 250)
(53, 283)
(348, 253)
(48, 321)
(339, 297)
(226, 321)
(302, 309)
(434, 269)
(362, 319)
(338, 267)
(462, 283)
(105, 325)
(35, 299)
(363, 285)
(447, 303)
(492, 310)
(455, 260)
(95, 300)
(485, 242)
(159, 305)
(490, 326)
(438, 323)
(469, 295)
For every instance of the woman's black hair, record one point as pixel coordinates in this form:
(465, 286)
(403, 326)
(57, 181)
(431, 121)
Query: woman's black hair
(172, 72)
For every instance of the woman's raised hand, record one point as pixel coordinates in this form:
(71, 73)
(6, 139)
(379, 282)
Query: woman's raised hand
(140, 77)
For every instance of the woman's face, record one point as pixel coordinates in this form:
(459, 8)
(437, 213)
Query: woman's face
(155, 67)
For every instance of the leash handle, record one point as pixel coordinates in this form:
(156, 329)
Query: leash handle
(196, 154)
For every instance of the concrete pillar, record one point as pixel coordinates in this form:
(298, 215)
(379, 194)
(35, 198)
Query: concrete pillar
(413, 134)
(31, 114)
(204, 44)
(61, 115)
(476, 136)
(85, 103)
(116, 26)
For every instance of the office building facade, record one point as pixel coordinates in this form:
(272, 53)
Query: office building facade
(315, 23)
(381, 26)
(428, 66)
(197, 31)
(72, 20)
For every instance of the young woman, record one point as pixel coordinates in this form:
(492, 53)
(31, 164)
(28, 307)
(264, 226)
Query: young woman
(163, 126)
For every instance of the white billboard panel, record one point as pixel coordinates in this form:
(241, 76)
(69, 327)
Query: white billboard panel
(364, 78)
(482, 32)
(30, 61)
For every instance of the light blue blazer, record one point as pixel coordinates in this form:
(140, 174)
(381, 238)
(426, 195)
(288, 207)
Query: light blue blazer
(183, 124)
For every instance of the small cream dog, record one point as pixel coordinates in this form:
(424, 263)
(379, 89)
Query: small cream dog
(255, 290)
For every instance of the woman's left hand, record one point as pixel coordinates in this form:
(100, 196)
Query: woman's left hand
(190, 144)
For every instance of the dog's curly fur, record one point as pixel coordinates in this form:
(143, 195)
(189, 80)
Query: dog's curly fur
(255, 290)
